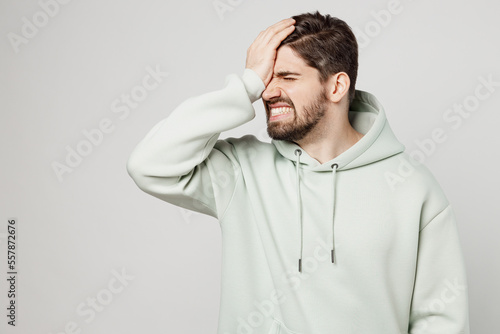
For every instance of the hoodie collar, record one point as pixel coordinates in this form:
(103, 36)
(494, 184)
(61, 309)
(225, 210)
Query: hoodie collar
(367, 116)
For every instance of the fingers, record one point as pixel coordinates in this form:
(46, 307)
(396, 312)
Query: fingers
(277, 31)
(261, 55)
(280, 36)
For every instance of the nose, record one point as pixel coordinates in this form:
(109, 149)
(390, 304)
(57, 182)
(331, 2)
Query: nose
(272, 90)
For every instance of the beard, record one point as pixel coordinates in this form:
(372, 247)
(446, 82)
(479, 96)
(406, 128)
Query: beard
(300, 123)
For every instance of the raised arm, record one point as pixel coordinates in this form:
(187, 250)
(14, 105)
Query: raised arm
(180, 158)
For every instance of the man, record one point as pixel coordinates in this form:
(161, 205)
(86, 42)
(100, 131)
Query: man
(331, 227)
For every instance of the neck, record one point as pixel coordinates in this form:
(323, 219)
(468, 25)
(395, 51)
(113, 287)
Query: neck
(331, 137)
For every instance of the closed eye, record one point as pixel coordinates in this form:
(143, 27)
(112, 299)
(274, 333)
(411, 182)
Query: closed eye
(289, 78)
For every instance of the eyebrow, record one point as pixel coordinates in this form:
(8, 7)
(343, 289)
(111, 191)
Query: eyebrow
(286, 73)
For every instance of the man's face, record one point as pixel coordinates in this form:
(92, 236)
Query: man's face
(294, 99)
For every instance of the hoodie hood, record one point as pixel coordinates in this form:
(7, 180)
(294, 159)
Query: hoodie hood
(366, 116)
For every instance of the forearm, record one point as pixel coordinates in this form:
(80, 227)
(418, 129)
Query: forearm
(185, 138)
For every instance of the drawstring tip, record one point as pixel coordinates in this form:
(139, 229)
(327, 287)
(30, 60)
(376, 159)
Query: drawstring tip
(300, 265)
(333, 261)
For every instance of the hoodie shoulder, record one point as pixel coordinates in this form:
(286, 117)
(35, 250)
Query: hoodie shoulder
(247, 147)
(418, 181)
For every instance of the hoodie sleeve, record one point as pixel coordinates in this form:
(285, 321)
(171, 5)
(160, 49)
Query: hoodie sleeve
(181, 160)
(440, 295)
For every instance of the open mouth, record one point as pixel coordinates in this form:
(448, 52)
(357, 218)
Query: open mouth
(281, 112)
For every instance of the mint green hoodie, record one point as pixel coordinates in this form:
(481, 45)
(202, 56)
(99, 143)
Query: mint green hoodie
(364, 243)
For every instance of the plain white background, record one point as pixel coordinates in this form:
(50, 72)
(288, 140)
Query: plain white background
(66, 70)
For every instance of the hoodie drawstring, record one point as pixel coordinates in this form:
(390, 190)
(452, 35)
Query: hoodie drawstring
(334, 174)
(334, 166)
(299, 206)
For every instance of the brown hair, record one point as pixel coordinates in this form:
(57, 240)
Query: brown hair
(326, 43)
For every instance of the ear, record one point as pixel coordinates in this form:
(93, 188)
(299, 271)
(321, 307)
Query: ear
(338, 86)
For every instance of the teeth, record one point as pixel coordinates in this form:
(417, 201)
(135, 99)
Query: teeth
(281, 110)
